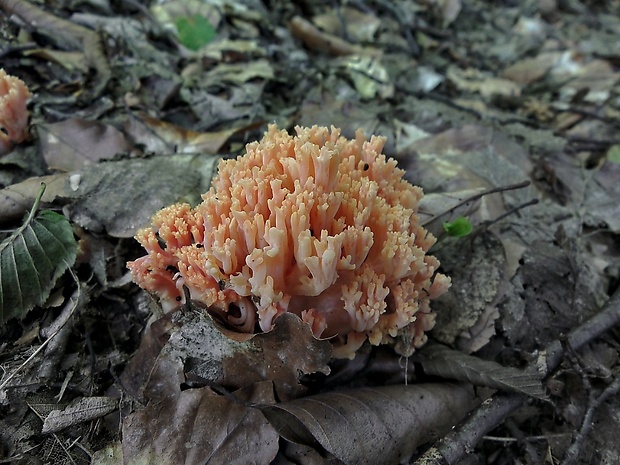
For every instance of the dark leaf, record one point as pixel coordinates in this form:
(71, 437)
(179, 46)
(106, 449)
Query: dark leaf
(442, 361)
(197, 426)
(372, 425)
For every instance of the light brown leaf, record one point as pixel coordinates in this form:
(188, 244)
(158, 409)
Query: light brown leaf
(84, 409)
(71, 144)
(206, 353)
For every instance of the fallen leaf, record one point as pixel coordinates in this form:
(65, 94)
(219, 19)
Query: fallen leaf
(361, 27)
(71, 144)
(157, 136)
(372, 425)
(198, 426)
(72, 61)
(83, 409)
(105, 196)
(471, 80)
(436, 208)
(439, 360)
(206, 353)
(15, 200)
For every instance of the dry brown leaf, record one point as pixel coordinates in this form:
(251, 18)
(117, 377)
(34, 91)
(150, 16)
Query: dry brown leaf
(83, 409)
(203, 352)
(17, 199)
(373, 425)
(198, 426)
(439, 360)
(71, 144)
(71, 61)
(159, 136)
(324, 42)
(471, 80)
(361, 27)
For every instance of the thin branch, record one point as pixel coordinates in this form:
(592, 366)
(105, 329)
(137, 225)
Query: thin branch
(473, 198)
(464, 438)
(572, 453)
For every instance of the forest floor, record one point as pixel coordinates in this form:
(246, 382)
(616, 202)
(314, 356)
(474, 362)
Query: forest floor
(513, 105)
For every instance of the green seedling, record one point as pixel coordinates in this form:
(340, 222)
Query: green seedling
(195, 31)
(460, 227)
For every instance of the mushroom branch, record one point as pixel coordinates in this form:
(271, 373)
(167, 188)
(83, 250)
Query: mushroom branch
(314, 224)
(13, 111)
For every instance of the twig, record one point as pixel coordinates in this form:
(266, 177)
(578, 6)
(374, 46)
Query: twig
(473, 198)
(464, 438)
(487, 224)
(572, 453)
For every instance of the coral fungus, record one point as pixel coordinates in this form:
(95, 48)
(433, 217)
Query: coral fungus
(313, 224)
(13, 112)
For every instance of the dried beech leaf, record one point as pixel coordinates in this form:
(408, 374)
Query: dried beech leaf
(197, 426)
(440, 360)
(199, 350)
(32, 259)
(161, 137)
(74, 143)
(105, 196)
(84, 409)
(16, 199)
(372, 425)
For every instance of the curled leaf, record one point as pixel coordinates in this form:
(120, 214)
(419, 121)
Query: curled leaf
(440, 360)
(372, 425)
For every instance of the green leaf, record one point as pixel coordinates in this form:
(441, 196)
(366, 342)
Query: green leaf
(32, 259)
(613, 154)
(194, 32)
(459, 227)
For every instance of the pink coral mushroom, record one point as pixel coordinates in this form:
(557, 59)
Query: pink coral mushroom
(13, 112)
(313, 224)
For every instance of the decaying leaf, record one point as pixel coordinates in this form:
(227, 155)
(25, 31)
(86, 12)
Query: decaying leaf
(159, 137)
(558, 288)
(372, 425)
(71, 144)
(105, 196)
(65, 32)
(440, 360)
(472, 80)
(199, 350)
(15, 200)
(84, 409)
(198, 426)
(32, 259)
(434, 209)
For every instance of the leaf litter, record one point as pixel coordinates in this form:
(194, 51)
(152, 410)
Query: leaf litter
(472, 96)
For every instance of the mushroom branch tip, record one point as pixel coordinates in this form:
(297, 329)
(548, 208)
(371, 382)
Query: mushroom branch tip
(13, 111)
(312, 223)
